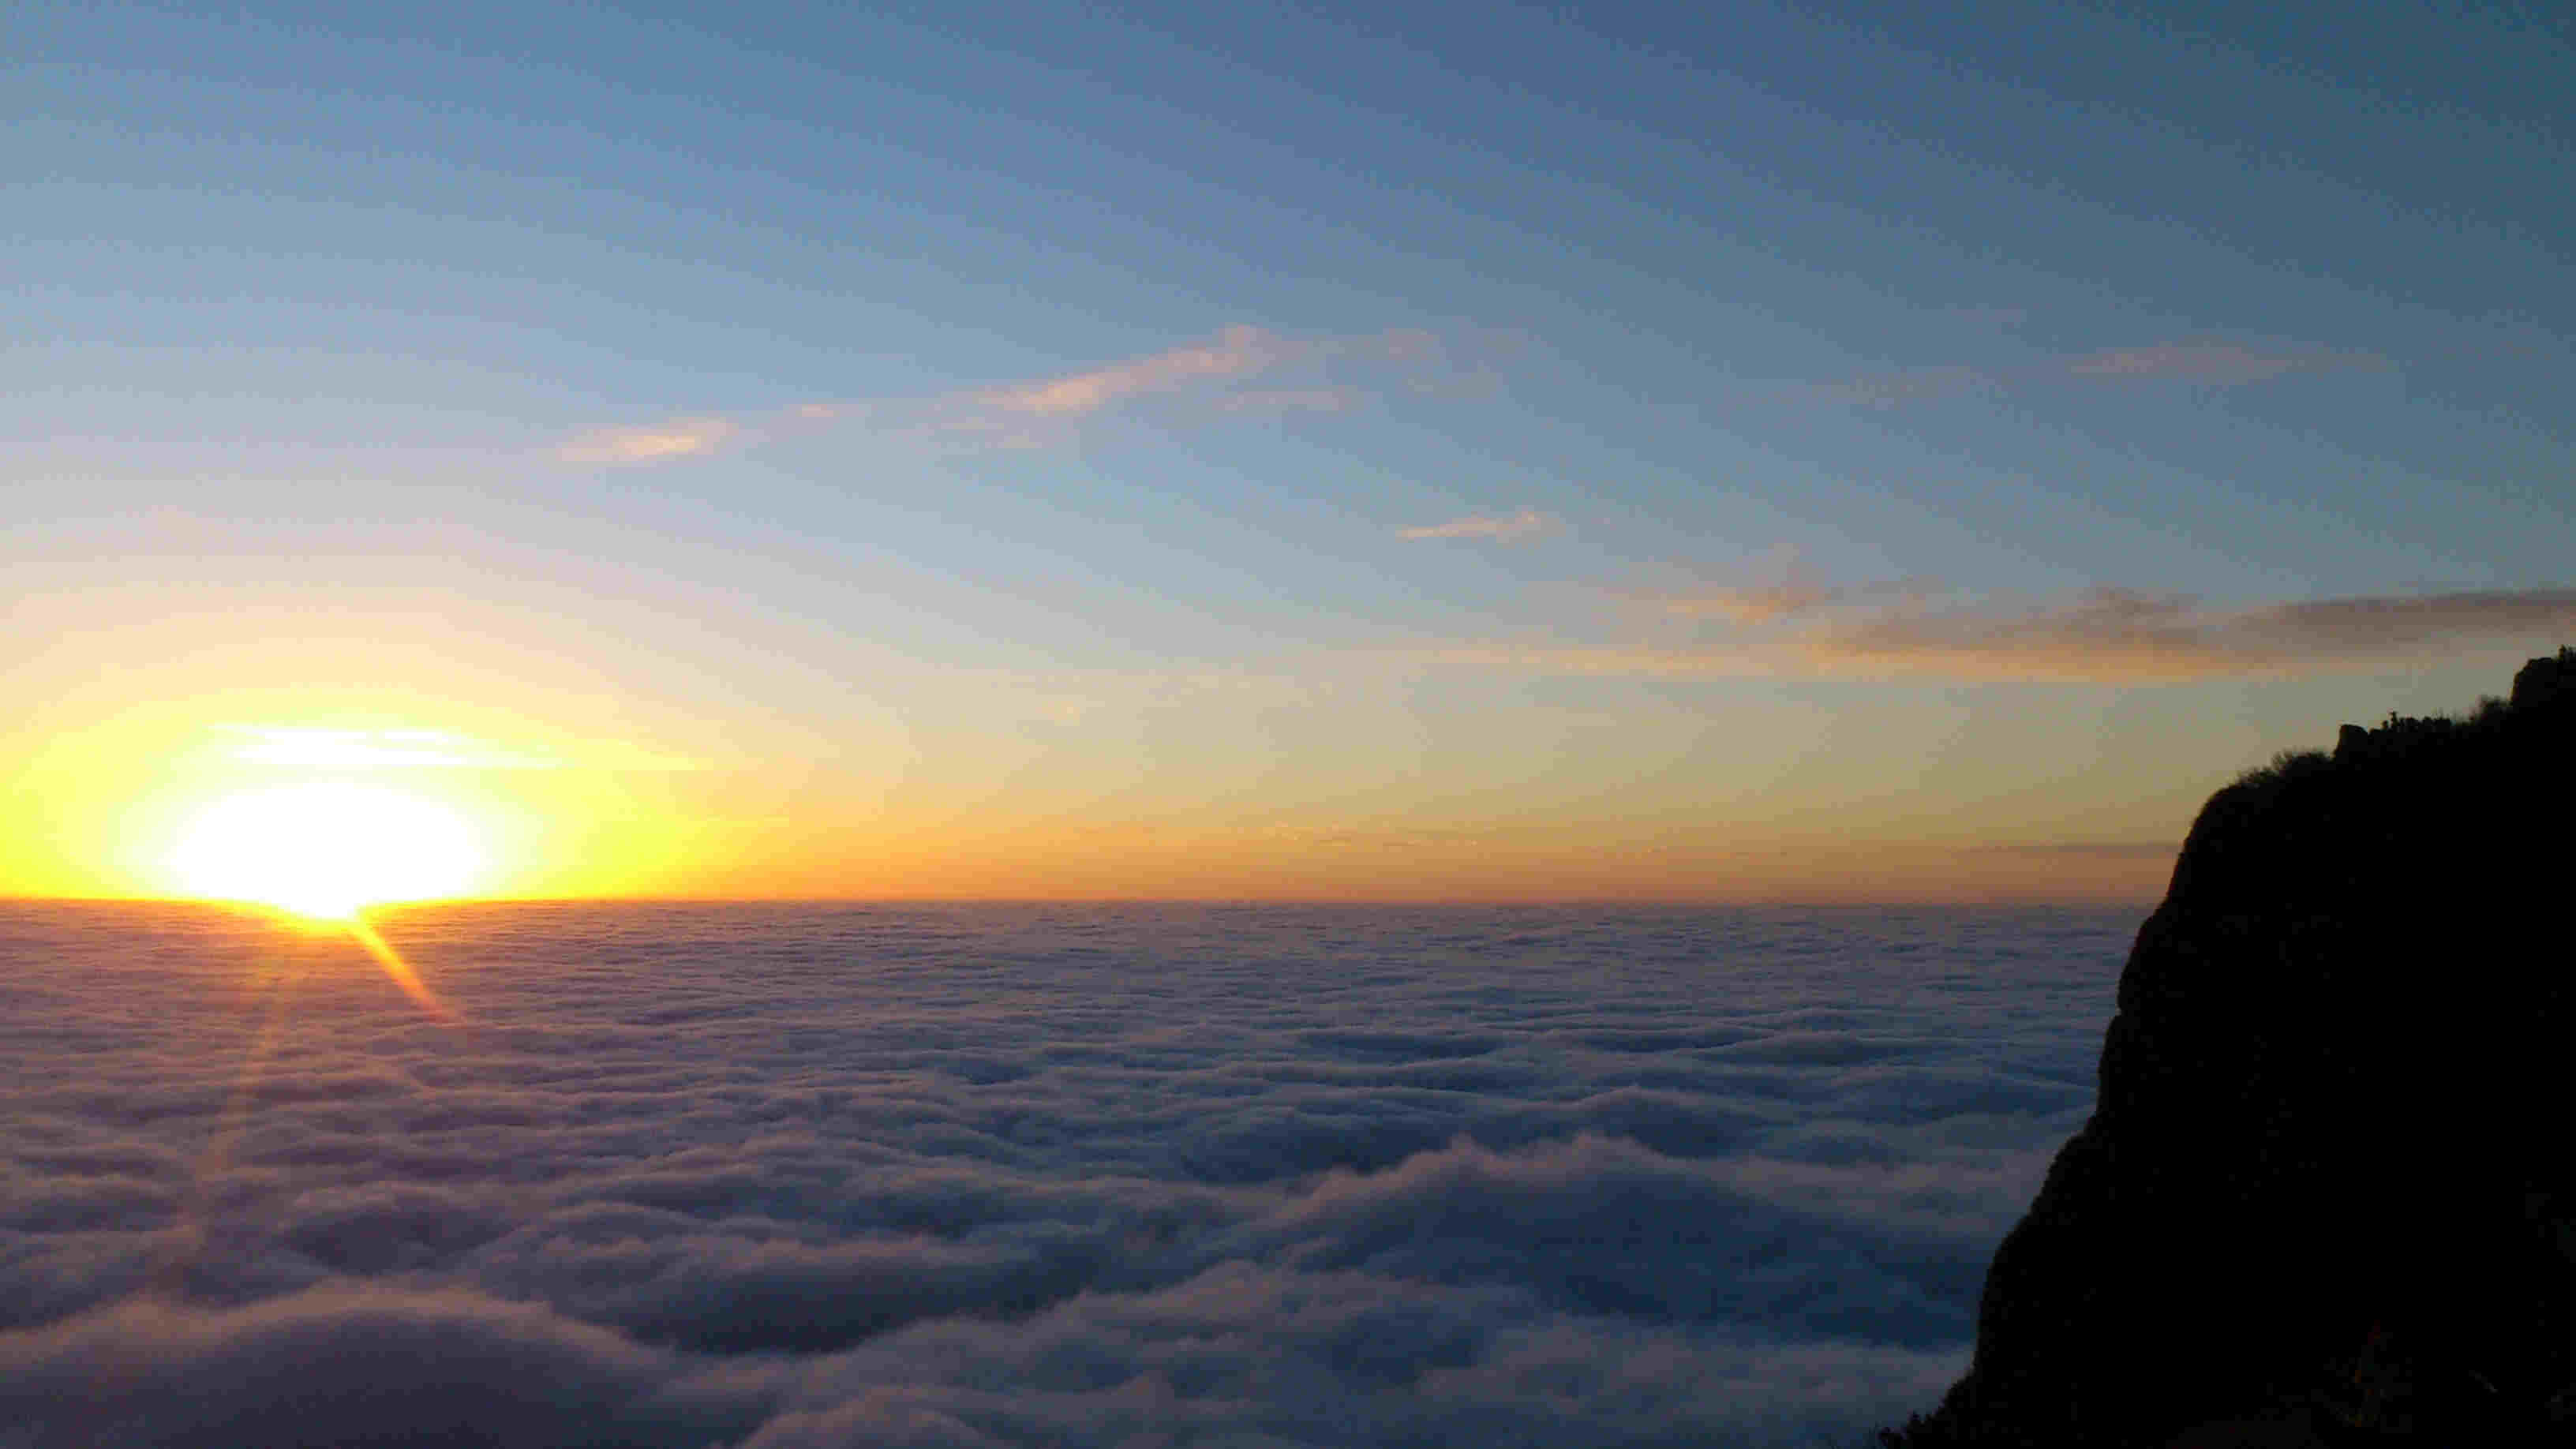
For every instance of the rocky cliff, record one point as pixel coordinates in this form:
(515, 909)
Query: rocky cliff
(2328, 1193)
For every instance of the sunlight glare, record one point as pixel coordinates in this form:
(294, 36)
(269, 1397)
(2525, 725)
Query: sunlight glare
(325, 850)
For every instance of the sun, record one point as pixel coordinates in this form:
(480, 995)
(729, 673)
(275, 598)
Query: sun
(326, 850)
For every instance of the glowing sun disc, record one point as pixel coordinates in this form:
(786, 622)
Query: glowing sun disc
(326, 849)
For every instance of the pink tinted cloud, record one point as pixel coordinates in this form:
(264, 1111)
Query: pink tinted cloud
(660, 443)
(1215, 376)
(1236, 352)
(1758, 604)
(2120, 635)
(1520, 523)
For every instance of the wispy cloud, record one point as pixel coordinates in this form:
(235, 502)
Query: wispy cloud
(1789, 590)
(1885, 389)
(1214, 377)
(1520, 523)
(2116, 634)
(2215, 362)
(660, 443)
(1252, 371)
(1292, 400)
(1237, 352)
(1756, 604)
(1612, 660)
(2205, 363)
(2098, 635)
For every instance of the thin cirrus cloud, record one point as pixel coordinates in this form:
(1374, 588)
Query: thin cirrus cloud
(1292, 399)
(661, 443)
(2096, 635)
(2205, 364)
(1215, 377)
(1236, 352)
(1509, 527)
(1250, 370)
(2113, 634)
(1757, 604)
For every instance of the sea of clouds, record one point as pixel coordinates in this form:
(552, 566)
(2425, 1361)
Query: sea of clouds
(796, 1177)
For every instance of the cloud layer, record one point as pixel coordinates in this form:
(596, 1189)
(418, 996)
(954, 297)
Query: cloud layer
(1021, 1176)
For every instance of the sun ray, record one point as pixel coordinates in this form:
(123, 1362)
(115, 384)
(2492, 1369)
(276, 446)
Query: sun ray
(365, 933)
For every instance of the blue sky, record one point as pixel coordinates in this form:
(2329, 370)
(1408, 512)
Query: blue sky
(1950, 316)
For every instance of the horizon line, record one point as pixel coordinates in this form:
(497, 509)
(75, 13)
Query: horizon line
(1426, 902)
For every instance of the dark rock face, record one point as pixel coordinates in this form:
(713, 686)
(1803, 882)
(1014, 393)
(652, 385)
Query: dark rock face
(2331, 1177)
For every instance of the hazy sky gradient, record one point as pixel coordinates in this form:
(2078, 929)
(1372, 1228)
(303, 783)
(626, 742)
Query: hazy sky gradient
(1030, 450)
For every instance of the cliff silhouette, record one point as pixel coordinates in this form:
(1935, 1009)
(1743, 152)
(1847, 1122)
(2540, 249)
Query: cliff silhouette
(2328, 1191)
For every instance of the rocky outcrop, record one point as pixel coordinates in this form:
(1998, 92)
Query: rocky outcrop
(2329, 1186)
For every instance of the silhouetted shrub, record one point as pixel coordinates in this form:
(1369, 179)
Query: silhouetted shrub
(2545, 679)
(2286, 766)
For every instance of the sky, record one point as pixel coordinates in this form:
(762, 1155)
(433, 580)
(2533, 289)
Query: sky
(1752, 453)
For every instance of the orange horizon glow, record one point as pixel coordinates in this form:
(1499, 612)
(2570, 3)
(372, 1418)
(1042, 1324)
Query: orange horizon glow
(335, 813)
